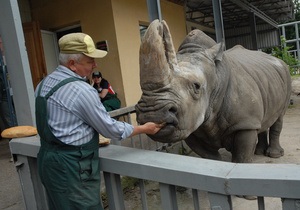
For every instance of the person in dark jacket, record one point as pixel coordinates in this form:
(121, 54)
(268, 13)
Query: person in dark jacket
(106, 93)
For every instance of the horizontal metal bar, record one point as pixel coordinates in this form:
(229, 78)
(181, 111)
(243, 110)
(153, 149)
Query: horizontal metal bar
(268, 180)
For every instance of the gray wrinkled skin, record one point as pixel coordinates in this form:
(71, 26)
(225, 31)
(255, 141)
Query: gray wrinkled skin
(212, 98)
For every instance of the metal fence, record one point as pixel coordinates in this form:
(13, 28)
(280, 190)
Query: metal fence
(293, 38)
(221, 181)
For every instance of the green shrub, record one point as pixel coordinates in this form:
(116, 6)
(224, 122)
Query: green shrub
(283, 53)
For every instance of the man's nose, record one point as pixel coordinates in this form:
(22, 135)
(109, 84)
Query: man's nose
(95, 65)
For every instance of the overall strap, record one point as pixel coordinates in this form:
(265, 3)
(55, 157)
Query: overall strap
(40, 88)
(42, 115)
(60, 84)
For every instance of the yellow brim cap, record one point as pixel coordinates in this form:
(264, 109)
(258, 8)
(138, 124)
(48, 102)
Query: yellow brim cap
(80, 43)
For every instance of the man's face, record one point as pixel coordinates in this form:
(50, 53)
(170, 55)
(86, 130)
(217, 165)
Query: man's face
(96, 79)
(84, 67)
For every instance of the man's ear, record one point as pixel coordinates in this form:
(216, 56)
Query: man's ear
(71, 65)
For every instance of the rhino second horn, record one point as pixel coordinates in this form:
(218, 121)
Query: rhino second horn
(157, 56)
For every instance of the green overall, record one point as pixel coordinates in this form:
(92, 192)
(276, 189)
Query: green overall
(111, 102)
(70, 174)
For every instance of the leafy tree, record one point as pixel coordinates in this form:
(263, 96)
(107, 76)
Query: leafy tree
(283, 53)
(296, 10)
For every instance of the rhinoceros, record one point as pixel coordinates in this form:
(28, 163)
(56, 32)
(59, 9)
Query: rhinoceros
(210, 97)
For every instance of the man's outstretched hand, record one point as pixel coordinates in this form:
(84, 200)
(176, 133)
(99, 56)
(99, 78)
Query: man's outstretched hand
(147, 128)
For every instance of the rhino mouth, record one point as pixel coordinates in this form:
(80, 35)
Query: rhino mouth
(166, 134)
(166, 114)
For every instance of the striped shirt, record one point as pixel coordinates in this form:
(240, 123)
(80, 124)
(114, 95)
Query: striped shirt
(75, 111)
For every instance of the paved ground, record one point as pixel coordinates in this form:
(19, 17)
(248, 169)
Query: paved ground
(10, 188)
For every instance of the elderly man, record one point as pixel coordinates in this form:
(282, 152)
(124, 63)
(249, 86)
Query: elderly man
(70, 117)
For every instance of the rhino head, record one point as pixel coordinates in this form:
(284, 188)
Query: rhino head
(176, 88)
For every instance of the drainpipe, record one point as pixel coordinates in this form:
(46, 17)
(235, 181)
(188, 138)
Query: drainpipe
(154, 10)
(218, 18)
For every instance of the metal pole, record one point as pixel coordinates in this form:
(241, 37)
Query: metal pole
(253, 30)
(154, 10)
(218, 18)
(297, 43)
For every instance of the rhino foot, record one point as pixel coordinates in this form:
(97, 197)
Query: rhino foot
(262, 144)
(274, 152)
(259, 151)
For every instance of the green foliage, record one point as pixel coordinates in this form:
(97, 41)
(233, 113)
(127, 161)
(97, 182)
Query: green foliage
(182, 150)
(297, 10)
(295, 76)
(129, 183)
(283, 53)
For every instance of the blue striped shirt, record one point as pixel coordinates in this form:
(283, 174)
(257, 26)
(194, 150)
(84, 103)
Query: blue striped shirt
(75, 111)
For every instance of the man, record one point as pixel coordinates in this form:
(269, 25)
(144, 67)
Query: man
(70, 117)
(106, 93)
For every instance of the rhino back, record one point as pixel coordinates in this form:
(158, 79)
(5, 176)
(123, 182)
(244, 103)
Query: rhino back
(258, 91)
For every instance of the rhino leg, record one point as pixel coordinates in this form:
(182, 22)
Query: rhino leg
(262, 144)
(243, 146)
(202, 149)
(275, 150)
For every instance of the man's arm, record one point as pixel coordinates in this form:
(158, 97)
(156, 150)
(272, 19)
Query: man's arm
(103, 93)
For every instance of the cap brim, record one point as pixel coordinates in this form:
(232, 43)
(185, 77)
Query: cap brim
(96, 54)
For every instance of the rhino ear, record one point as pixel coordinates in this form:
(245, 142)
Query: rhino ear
(216, 52)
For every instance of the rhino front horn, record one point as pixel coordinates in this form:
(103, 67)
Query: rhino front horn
(157, 56)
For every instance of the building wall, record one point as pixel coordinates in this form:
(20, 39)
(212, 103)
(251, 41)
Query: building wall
(25, 12)
(267, 36)
(127, 17)
(95, 19)
(116, 21)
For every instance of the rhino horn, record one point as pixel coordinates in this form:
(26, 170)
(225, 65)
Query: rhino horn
(157, 56)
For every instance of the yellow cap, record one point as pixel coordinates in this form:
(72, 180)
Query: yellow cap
(80, 43)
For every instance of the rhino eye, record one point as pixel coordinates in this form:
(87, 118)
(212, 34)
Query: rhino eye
(197, 86)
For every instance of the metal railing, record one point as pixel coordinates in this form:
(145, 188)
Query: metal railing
(220, 180)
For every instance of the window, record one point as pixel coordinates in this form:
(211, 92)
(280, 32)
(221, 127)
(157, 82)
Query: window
(143, 29)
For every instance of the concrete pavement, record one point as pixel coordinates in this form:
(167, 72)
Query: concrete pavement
(10, 188)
